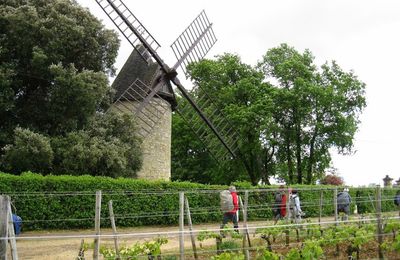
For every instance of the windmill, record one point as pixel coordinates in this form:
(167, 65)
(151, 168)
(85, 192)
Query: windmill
(152, 98)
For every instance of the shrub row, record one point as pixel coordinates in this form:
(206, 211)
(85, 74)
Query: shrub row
(66, 202)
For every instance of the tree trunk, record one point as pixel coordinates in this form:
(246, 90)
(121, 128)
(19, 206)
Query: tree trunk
(289, 162)
(298, 142)
(311, 159)
(267, 164)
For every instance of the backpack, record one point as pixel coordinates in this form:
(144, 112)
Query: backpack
(343, 200)
(292, 201)
(278, 198)
(277, 201)
(226, 201)
(17, 222)
(397, 200)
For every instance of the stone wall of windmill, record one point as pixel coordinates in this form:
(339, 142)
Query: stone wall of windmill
(156, 144)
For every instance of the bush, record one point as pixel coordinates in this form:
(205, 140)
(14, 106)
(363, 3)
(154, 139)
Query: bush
(332, 179)
(29, 151)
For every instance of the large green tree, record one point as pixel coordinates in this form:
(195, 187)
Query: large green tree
(316, 109)
(287, 111)
(55, 59)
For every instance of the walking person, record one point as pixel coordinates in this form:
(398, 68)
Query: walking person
(343, 203)
(230, 206)
(279, 206)
(397, 200)
(296, 212)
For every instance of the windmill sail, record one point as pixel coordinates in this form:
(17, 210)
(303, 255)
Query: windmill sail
(129, 26)
(191, 46)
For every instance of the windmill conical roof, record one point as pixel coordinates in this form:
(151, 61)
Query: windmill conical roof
(134, 68)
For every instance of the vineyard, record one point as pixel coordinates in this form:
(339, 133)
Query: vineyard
(184, 223)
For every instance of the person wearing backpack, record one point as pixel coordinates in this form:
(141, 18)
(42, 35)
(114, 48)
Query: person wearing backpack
(397, 200)
(230, 206)
(279, 207)
(343, 203)
(295, 208)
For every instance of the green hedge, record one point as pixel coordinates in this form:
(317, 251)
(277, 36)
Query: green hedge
(67, 202)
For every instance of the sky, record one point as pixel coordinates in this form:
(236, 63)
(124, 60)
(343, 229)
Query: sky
(360, 35)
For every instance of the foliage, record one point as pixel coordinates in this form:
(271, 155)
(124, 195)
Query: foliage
(228, 256)
(205, 234)
(331, 179)
(137, 251)
(267, 255)
(190, 161)
(55, 58)
(108, 146)
(229, 246)
(288, 113)
(311, 250)
(293, 254)
(223, 245)
(55, 72)
(392, 245)
(29, 151)
(392, 226)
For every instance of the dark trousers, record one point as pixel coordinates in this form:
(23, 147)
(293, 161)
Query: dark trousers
(229, 216)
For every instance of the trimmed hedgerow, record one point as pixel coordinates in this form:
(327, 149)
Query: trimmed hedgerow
(67, 202)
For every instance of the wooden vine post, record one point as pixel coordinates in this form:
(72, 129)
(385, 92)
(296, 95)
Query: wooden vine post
(7, 233)
(246, 238)
(335, 193)
(189, 219)
(379, 220)
(11, 233)
(114, 228)
(4, 200)
(96, 248)
(288, 218)
(321, 194)
(181, 225)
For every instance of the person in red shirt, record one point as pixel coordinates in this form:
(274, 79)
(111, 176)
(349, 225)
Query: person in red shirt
(232, 215)
(283, 205)
(279, 206)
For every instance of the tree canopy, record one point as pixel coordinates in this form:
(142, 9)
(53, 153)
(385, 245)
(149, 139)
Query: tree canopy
(55, 61)
(288, 111)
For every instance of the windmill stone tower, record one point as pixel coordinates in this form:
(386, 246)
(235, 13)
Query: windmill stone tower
(156, 147)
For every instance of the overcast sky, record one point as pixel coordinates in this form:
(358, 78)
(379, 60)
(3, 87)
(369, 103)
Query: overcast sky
(361, 35)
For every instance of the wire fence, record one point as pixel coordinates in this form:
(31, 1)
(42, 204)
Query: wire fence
(320, 203)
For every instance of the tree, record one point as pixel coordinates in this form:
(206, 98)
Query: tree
(317, 109)
(54, 59)
(288, 112)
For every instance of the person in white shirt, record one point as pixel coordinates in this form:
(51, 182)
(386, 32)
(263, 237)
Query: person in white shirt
(295, 208)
